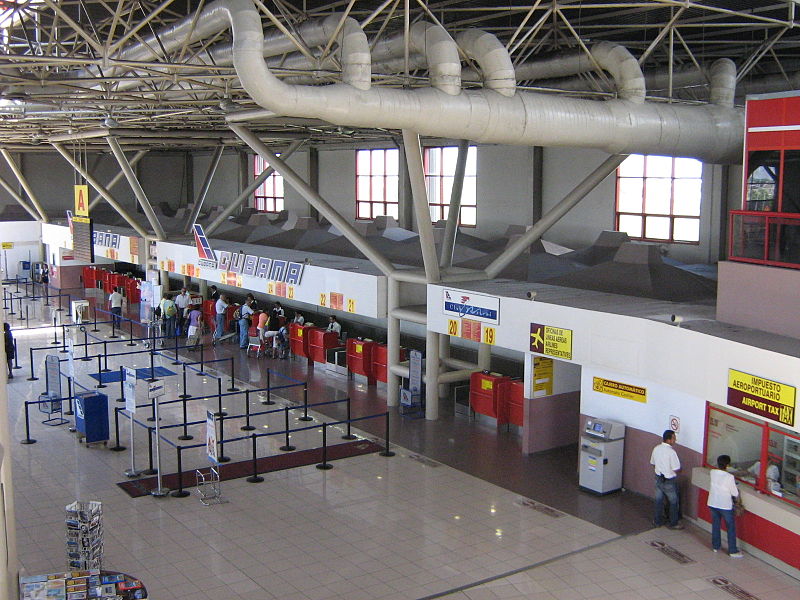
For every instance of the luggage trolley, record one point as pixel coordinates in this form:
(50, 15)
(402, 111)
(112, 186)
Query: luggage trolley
(155, 328)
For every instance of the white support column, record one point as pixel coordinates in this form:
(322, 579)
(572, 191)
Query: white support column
(8, 525)
(163, 278)
(431, 375)
(117, 178)
(24, 183)
(203, 284)
(444, 353)
(201, 197)
(392, 341)
(450, 230)
(422, 210)
(484, 357)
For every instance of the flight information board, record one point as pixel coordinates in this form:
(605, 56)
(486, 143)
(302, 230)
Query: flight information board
(82, 239)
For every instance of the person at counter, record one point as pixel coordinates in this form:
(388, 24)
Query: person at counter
(219, 318)
(666, 464)
(245, 314)
(182, 303)
(213, 293)
(277, 310)
(299, 318)
(334, 325)
(720, 503)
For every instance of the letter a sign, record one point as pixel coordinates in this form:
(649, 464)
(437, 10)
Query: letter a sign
(82, 201)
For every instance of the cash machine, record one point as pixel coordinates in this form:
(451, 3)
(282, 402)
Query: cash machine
(601, 458)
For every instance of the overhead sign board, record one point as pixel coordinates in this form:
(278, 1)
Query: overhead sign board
(620, 390)
(768, 399)
(476, 307)
(551, 341)
(81, 204)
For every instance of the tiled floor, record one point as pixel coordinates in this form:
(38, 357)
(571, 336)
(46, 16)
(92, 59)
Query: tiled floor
(373, 527)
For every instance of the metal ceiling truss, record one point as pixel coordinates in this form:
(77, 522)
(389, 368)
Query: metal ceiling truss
(63, 70)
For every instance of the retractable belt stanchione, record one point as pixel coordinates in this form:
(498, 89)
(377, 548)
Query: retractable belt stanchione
(100, 383)
(11, 302)
(64, 339)
(254, 478)
(28, 439)
(33, 376)
(69, 412)
(180, 492)
(131, 342)
(247, 426)
(105, 358)
(220, 412)
(55, 341)
(149, 470)
(233, 387)
(305, 416)
(269, 389)
(201, 372)
(114, 322)
(386, 451)
(185, 394)
(160, 491)
(324, 465)
(121, 385)
(116, 447)
(287, 447)
(95, 330)
(16, 356)
(85, 344)
(27, 317)
(349, 435)
(222, 458)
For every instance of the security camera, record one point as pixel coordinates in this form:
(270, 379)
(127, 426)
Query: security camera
(531, 295)
(677, 319)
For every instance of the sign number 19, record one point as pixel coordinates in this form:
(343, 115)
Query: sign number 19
(489, 335)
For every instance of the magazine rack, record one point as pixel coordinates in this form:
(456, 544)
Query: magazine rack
(84, 523)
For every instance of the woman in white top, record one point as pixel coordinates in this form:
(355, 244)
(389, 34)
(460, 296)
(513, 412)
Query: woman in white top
(720, 502)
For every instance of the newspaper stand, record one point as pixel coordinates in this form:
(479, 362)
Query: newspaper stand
(208, 486)
(50, 404)
(84, 522)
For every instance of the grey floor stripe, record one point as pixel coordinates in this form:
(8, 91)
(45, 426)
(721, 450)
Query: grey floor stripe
(468, 586)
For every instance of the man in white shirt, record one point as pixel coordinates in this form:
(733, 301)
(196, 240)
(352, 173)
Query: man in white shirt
(666, 464)
(115, 304)
(333, 325)
(245, 314)
(720, 502)
(182, 301)
(219, 309)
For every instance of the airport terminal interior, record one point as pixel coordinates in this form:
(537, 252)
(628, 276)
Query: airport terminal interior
(383, 299)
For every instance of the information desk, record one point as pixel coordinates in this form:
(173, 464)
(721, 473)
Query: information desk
(769, 527)
(81, 585)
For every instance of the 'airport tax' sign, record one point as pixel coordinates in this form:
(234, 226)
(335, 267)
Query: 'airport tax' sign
(768, 399)
(552, 341)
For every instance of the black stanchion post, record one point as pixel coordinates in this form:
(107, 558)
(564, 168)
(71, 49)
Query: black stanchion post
(324, 465)
(184, 394)
(180, 492)
(11, 297)
(247, 426)
(86, 356)
(177, 360)
(28, 439)
(349, 435)
(27, 318)
(152, 365)
(185, 435)
(116, 447)
(69, 395)
(287, 447)
(201, 372)
(95, 321)
(305, 416)
(32, 377)
(152, 416)
(222, 458)
(150, 470)
(100, 373)
(254, 478)
(16, 356)
(63, 339)
(387, 452)
(55, 341)
(114, 321)
(269, 389)
(60, 308)
(17, 278)
(220, 412)
(233, 387)
(105, 357)
(46, 295)
(131, 342)
(121, 385)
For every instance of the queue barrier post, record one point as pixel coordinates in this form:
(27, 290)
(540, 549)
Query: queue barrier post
(254, 478)
(305, 416)
(185, 435)
(184, 395)
(60, 308)
(349, 435)
(222, 458)
(100, 383)
(114, 325)
(116, 447)
(95, 330)
(121, 385)
(32, 377)
(105, 357)
(269, 388)
(63, 339)
(150, 470)
(201, 372)
(27, 317)
(70, 411)
(247, 426)
(152, 364)
(287, 447)
(180, 492)
(324, 465)
(131, 342)
(177, 360)
(11, 298)
(220, 412)
(55, 341)
(86, 356)
(233, 387)
(28, 439)
(16, 356)
(386, 451)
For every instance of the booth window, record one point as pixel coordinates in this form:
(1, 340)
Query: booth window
(764, 455)
(440, 170)
(658, 198)
(268, 197)
(377, 181)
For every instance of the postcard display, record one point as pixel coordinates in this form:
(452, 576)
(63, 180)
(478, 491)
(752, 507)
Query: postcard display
(81, 585)
(84, 535)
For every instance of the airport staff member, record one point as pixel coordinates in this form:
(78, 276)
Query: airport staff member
(333, 325)
(219, 309)
(213, 293)
(720, 502)
(666, 464)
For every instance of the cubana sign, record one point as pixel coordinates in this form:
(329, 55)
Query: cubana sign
(457, 303)
(763, 397)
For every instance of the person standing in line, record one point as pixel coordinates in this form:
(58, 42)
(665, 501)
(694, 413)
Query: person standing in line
(213, 293)
(182, 301)
(263, 318)
(245, 314)
(194, 320)
(219, 309)
(168, 313)
(720, 502)
(115, 304)
(10, 351)
(666, 465)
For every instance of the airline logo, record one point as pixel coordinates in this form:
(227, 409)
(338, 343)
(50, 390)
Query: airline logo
(204, 251)
(457, 303)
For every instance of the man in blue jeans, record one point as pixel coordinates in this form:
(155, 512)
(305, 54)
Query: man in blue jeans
(666, 465)
(721, 493)
(219, 309)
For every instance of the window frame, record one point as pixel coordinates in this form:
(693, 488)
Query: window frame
(384, 203)
(261, 199)
(441, 175)
(671, 216)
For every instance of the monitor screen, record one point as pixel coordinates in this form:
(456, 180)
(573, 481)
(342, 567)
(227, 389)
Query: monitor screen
(598, 427)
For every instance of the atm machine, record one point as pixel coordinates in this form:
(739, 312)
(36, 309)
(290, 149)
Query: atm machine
(601, 458)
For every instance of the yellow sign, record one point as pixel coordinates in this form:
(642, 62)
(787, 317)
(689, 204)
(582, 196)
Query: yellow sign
(452, 327)
(543, 375)
(359, 348)
(621, 390)
(8, 245)
(323, 299)
(489, 335)
(351, 305)
(271, 288)
(299, 332)
(290, 292)
(82, 201)
(769, 399)
(487, 384)
(552, 341)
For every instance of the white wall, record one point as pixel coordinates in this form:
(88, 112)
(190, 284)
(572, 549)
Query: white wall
(337, 180)
(505, 189)
(225, 185)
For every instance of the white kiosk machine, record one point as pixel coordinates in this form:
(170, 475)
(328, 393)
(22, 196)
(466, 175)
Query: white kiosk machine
(602, 447)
